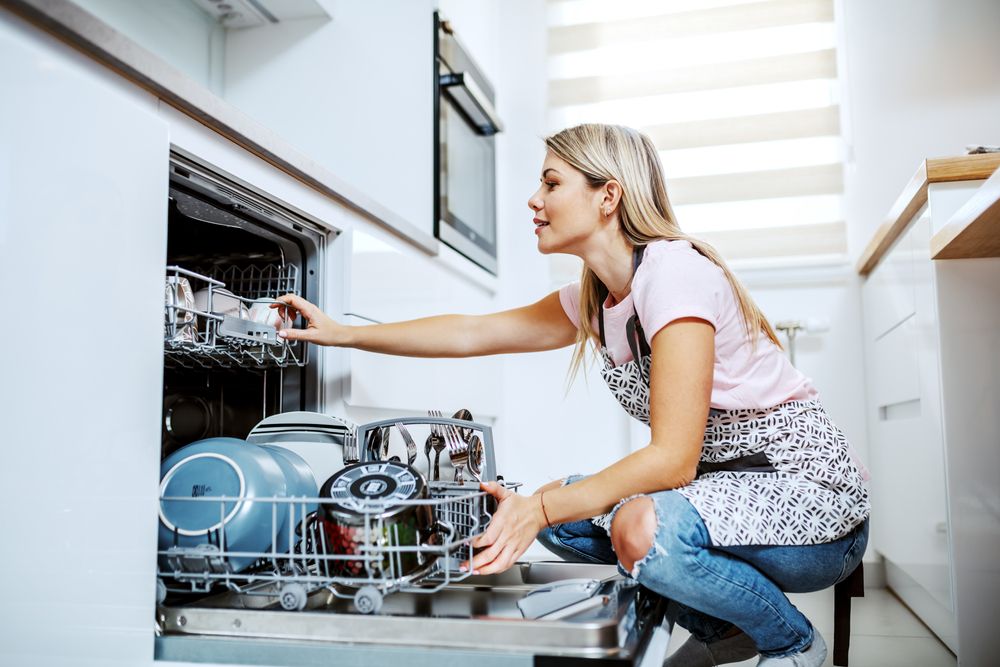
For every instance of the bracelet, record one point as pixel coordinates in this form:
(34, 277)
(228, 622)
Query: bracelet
(541, 498)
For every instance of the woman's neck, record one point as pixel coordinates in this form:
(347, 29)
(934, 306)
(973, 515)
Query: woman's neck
(611, 261)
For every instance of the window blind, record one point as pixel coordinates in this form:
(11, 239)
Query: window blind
(740, 98)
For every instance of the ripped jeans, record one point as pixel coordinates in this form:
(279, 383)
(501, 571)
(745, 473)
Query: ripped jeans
(718, 587)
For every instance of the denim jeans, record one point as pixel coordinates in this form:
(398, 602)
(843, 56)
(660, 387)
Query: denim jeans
(717, 587)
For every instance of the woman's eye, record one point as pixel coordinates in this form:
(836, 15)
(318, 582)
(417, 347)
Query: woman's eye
(550, 184)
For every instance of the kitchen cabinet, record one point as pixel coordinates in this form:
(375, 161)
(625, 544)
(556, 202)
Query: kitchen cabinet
(910, 507)
(389, 282)
(932, 349)
(83, 192)
(348, 84)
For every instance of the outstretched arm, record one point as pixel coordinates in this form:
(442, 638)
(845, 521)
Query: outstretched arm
(683, 355)
(540, 326)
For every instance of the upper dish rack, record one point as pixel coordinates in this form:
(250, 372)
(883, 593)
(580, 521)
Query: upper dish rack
(224, 320)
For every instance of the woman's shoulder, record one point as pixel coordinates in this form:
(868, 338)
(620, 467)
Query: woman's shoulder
(680, 257)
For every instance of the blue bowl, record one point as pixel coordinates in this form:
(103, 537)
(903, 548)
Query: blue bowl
(300, 484)
(220, 467)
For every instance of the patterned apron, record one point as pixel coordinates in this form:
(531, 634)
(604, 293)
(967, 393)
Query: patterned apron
(780, 476)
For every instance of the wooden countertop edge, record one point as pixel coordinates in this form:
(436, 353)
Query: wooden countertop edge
(914, 196)
(974, 229)
(94, 38)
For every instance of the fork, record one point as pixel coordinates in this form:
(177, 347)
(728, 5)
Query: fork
(458, 450)
(411, 447)
(436, 441)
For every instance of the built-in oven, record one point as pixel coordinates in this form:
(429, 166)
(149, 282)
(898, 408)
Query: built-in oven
(465, 128)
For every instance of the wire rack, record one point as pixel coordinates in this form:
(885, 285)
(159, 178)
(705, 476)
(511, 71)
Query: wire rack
(384, 556)
(207, 320)
(385, 559)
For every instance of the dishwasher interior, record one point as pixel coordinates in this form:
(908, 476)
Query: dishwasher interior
(235, 244)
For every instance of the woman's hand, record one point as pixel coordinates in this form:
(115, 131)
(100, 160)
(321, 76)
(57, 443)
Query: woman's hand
(320, 329)
(511, 531)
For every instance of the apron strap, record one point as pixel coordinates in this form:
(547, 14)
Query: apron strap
(632, 328)
(757, 462)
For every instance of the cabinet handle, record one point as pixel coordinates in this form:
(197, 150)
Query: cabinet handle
(902, 410)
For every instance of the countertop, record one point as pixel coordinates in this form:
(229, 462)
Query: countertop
(977, 218)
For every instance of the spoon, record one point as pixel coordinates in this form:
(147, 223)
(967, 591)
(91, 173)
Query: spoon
(465, 415)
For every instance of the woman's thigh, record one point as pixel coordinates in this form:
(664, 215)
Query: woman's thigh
(806, 568)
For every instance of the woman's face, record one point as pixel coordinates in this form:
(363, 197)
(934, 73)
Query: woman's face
(567, 210)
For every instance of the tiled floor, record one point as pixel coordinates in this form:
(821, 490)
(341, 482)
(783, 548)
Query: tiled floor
(884, 633)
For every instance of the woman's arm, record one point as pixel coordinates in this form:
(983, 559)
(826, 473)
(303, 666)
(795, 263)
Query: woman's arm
(683, 355)
(540, 326)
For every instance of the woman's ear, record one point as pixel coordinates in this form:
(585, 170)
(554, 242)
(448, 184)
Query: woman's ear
(612, 197)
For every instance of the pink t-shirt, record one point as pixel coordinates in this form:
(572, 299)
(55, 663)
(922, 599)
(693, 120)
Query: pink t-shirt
(675, 281)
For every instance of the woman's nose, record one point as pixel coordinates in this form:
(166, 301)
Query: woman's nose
(534, 203)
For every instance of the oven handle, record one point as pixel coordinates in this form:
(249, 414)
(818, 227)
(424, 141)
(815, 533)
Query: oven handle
(462, 89)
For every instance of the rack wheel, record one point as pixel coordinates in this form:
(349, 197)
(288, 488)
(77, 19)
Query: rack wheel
(368, 600)
(161, 591)
(293, 597)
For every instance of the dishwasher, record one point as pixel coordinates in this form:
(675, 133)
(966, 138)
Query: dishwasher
(232, 250)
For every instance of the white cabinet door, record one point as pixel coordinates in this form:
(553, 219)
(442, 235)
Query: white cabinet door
(888, 295)
(83, 193)
(389, 283)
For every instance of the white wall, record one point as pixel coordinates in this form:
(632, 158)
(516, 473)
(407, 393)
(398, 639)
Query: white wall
(922, 80)
(543, 433)
(833, 357)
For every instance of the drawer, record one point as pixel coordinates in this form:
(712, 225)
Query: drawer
(889, 292)
(894, 372)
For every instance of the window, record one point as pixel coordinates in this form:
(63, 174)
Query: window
(741, 99)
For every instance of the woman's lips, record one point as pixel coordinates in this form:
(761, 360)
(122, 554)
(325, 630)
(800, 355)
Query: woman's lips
(539, 224)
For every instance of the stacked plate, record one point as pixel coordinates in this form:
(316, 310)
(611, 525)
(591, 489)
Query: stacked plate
(234, 496)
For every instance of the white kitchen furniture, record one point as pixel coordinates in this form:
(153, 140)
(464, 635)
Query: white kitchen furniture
(932, 350)
(86, 131)
(83, 189)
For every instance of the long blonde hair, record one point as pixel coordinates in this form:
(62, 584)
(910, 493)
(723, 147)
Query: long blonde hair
(605, 153)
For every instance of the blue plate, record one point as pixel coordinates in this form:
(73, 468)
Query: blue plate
(300, 484)
(220, 467)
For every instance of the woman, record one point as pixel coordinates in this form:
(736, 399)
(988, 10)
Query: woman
(746, 488)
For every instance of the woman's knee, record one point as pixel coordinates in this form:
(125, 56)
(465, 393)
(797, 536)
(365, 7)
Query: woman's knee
(633, 530)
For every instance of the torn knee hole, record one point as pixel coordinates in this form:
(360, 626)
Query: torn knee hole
(633, 530)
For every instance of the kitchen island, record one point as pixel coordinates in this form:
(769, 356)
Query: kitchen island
(931, 295)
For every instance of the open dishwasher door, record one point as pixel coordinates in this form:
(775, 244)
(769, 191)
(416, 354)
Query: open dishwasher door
(477, 620)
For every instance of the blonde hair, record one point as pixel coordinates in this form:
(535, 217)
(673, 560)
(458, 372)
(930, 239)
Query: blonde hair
(605, 153)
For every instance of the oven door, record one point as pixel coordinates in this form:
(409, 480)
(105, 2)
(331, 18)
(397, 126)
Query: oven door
(466, 160)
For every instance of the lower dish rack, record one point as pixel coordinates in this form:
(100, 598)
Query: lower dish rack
(383, 557)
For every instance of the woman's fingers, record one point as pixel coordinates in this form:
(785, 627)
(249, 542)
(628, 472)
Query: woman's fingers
(495, 489)
(490, 536)
(487, 555)
(309, 335)
(296, 302)
(502, 562)
(319, 328)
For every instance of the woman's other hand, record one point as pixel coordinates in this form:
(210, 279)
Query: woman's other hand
(320, 329)
(514, 526)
